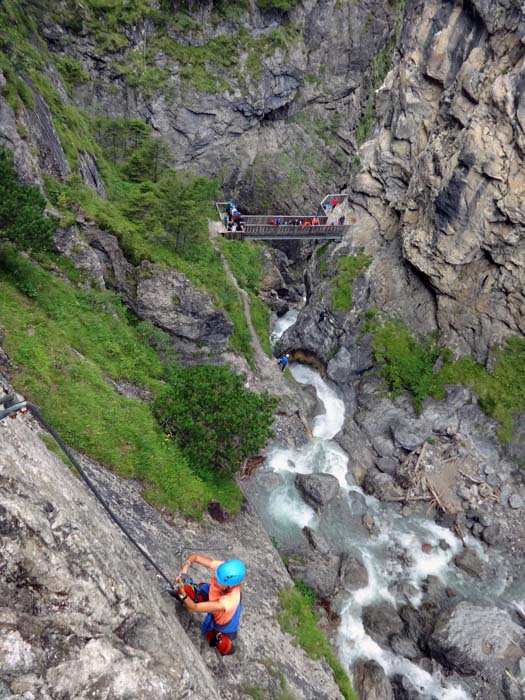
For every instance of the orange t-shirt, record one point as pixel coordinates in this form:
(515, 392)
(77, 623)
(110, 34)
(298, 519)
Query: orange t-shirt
(230, 600)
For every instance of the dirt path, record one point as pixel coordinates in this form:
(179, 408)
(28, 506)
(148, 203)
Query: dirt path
(265, 367)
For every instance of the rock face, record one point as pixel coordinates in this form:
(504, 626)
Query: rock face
(282, 88)
(498, 642)
(437, 201)
(80, 615)
(168, 298)
(444, 171)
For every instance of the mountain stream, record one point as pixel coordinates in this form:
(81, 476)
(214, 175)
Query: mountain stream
(396, 560)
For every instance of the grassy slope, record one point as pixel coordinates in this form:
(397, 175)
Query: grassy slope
(297, 617)
(68, 339)
(64, 341)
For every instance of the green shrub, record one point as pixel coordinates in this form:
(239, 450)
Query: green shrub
(347, 270)
(72, 71)
(297, 617)
(407, 364)
(283, 5)
(21, 210)
(217, 422)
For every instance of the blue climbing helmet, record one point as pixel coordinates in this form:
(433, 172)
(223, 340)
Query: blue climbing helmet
(230, 573)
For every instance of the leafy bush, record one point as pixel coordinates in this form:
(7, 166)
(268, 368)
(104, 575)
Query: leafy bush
(502, 393)
(348, 268)
(72, 71)
(217, 422)
(297, 617)
(407, 364)
(21, 210)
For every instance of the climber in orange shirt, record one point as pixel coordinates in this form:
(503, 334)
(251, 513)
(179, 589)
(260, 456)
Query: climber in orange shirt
(220, 599)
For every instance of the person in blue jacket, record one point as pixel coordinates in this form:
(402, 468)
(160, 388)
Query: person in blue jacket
(283, 362)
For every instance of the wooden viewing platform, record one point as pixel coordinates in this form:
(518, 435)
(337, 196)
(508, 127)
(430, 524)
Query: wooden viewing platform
(258, 227)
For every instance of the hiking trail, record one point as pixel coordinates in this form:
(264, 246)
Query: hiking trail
(266, 368)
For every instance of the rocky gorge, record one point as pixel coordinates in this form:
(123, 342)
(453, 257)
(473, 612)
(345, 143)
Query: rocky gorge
(404, 517)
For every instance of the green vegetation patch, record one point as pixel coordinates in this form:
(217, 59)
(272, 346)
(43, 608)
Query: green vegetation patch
(206, 410)
(297, 617)
(347, 270)
(501, 393)
(407, 364)
(64, 342)
(71, 71)
(21, 210)
(282, 5)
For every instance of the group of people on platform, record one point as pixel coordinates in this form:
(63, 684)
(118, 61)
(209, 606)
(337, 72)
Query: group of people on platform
(233, 218)
(309, 221)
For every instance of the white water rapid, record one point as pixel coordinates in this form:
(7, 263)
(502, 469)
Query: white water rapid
(396, 561)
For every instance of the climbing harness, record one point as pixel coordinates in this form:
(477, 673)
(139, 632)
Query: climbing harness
(209, 624)
(12, 404)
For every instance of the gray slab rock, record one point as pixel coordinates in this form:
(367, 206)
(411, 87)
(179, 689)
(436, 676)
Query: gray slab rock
(79, 581)
(108, 630)
(469, 562)
(170, 301)
(473, 639)
(352, 573)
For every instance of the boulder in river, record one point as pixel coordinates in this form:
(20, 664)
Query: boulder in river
(381, 622)
(370, 681)
(352, 572)
(382, 485)
(317, 489)
(473, 639)
(403, 646)
(469, 561)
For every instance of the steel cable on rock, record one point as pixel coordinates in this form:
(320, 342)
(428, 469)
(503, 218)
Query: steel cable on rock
(13, 406)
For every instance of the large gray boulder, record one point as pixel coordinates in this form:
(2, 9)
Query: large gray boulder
(473, 639)
(170, 301)
(317, 489)
(381, 622)
(370, 681)
(352, 573)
